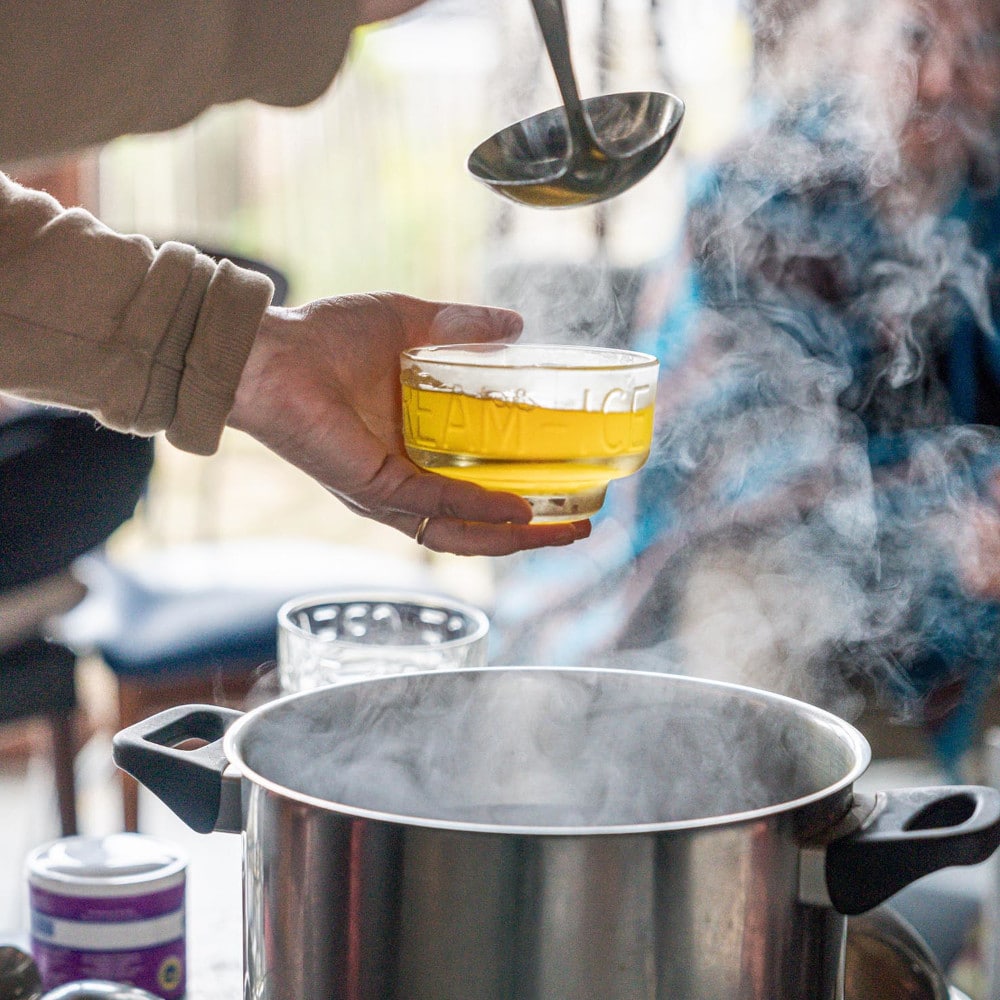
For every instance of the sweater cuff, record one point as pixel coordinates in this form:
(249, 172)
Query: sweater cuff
(231, 311)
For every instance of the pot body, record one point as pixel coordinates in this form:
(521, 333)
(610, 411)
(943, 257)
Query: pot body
(549, 833)
(542, 835)
(339, 907)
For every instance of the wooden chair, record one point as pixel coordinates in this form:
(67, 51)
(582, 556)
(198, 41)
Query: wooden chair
(66, 485)
(38, 677)
(197, 623)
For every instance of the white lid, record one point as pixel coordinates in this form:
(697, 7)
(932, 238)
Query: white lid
(111, 865)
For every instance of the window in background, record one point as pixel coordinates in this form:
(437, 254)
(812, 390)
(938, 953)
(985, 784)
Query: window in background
(367, 188)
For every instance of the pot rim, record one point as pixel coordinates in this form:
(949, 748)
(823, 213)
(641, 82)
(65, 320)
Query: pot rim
(852, 738)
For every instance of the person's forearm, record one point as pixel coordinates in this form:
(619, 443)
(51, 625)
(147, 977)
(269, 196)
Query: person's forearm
(82, 74)
(146, 339)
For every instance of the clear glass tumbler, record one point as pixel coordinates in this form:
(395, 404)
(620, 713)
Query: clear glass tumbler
(552, 423)
(343, 636)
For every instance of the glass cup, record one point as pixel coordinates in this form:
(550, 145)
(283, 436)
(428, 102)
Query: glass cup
(552, 423)
(344, 636)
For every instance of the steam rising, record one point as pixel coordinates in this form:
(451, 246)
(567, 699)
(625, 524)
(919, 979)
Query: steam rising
(814, 506)
(544, 748)
(810, 514)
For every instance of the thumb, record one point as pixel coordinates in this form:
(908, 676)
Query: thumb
(456, 324)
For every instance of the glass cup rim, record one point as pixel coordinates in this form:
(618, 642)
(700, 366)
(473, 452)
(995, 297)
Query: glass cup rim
(478, 354)
(476, 616)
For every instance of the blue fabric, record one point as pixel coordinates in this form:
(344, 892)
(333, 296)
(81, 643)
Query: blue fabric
(817, 359)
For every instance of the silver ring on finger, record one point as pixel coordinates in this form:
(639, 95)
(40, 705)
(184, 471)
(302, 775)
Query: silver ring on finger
(421, 531)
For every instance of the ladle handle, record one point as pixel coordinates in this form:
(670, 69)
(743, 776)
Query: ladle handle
(551, 17)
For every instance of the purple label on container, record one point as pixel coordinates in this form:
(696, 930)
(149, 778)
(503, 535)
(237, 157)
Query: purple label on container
(137, 939)
(161, 970)
(107, 908)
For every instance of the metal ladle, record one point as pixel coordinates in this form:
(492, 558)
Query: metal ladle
(585, 152)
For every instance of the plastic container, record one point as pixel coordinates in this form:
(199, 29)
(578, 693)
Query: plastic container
(109, 908)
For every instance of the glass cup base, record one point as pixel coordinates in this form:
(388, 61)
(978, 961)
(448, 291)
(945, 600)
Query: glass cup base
(553, 508)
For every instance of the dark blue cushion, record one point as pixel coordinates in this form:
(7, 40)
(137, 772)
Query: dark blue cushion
(202, 608)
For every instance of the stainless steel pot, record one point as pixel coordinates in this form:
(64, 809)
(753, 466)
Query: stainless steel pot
(549, 833)
(886, 959)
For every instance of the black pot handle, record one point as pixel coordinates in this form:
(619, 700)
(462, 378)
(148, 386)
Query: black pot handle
(188, 781)
(910, 833)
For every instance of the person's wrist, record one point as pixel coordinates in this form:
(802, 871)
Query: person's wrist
(248, 395)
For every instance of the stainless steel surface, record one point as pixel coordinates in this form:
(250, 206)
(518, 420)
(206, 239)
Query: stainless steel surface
(551, 17)
(19, 977)
(991, 900)
(96, 989)
(539, 833)
(584, 152)
(361, 905)
(886, 959)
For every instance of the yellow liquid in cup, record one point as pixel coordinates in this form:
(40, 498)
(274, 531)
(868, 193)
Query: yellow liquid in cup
(559, 460)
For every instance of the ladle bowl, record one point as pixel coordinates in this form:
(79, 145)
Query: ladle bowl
(534, 161)
(585, 151)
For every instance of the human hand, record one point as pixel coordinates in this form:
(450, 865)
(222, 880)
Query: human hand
(321, 390)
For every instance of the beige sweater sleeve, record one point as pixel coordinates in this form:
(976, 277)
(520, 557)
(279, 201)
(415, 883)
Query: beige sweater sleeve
(145, 338)
(76, 73)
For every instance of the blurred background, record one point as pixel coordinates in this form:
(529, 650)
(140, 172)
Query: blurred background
(367, 189)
